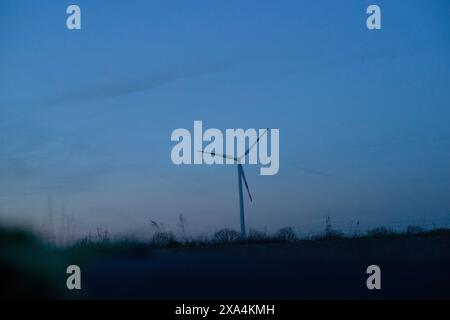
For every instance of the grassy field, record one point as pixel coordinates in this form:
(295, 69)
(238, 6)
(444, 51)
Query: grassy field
(414, 265)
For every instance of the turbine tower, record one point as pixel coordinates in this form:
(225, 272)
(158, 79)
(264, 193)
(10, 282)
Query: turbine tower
(241, 177)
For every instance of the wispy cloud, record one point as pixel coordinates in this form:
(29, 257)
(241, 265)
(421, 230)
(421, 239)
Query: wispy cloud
(118, 88)
(396, 143)
(315, 172)
(38, 159)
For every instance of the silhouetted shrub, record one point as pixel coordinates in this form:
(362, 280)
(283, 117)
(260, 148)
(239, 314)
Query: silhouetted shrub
(226, 235)
(333, 234)
(286, 234)
(414, 230)
(257, 236)
(163, 239)
(182, 224)
(83, 242)
(380, 232)
(102, 236)
(438, 232)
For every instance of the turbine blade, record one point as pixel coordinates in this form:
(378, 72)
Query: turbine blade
(225, 156)
(253, 144)
(241, 169)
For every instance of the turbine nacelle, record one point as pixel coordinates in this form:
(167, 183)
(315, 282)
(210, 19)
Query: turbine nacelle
(239, 158)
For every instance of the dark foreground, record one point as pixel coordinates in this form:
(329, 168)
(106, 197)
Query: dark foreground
(412, 267)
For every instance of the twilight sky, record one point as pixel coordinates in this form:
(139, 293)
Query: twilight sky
(86, 116)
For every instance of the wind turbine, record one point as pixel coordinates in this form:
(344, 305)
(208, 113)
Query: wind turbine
(241, 176)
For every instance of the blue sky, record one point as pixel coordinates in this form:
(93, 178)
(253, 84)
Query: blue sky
(86, 116)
